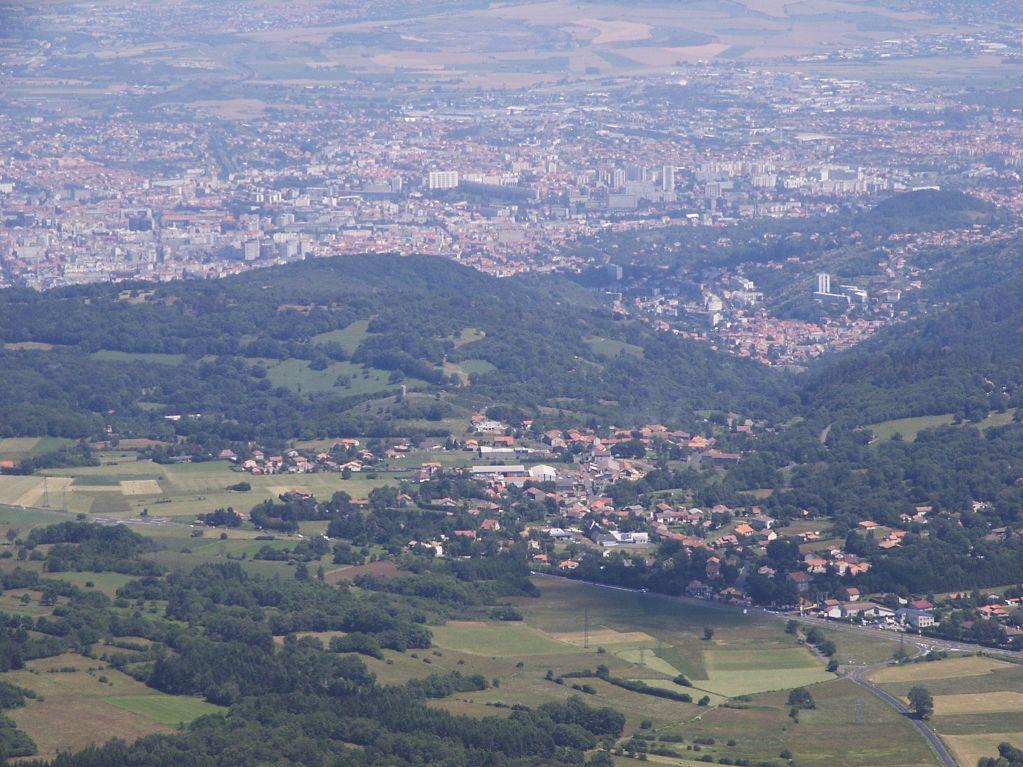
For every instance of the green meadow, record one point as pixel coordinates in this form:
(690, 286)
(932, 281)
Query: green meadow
(978, 701)
(745, 671)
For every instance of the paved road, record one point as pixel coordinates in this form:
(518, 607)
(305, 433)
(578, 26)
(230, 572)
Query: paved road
(859, 676)
(925, 643)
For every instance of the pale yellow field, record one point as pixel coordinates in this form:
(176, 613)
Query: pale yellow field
(86, 488)
(12, 488)
(31, 491)
(978, 703)
(940, 669)
(71, 712)
(141, 487)
(969, 748)
(605, 636)
(616, 31)
(18, 444)
(649, 659)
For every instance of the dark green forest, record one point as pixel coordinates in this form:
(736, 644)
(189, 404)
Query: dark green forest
(530, 343)
(533, 333)
(296, 703)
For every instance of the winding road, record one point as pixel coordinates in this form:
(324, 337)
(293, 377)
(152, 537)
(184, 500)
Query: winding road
(857, 674)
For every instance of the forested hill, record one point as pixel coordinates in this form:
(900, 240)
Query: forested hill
(965, 357)
(931, 210)
(323, 347)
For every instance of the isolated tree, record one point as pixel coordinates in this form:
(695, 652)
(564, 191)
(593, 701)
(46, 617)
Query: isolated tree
(801, 698)
(922, 702)
(708, 633)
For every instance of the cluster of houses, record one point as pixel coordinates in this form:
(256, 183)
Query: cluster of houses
(343, 455)
(697, 447)
(917, 614)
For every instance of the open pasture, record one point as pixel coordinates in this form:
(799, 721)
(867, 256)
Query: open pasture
(180, 491)
(743, 672)
(76, 708)
(850, 726)
(169, 710)
(338, 377)
(498, 639)
(951, 668)
(909, 428)
(348, 337)
(978, 701)
(17, 449)
(968, 749)
(105, 582)
(856, 649)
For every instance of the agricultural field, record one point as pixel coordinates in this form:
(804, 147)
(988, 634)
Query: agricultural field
(123, 487)
(170, 710)
(909, 428)
(514, 45)
(856, 649)
(82, 701)
(497, 639)
(849, 726)
(739, 671)
(16, 449)
(978, 701)
(745, 671)
(341, 377)
(348, 337)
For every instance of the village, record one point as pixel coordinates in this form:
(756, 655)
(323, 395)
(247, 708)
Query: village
(567, 500)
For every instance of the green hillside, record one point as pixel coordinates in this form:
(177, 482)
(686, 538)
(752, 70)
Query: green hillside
(324, 347)
(965, 357)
